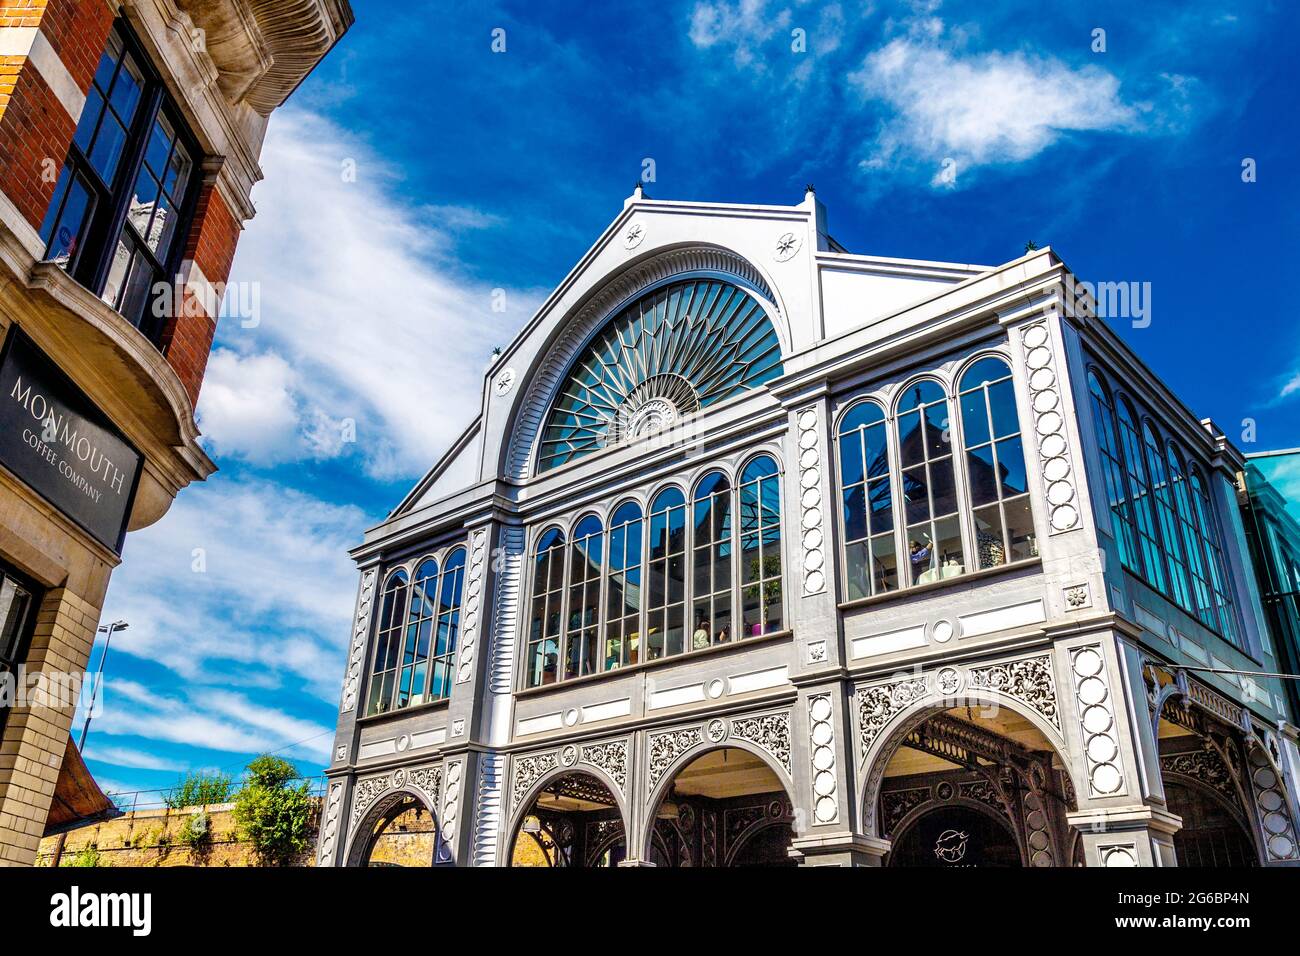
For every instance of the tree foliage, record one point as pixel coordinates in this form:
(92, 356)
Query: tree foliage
(199, 790)
(272, 813)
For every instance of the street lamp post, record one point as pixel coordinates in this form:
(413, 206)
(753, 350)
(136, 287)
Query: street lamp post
(99, 674)
(85, 728)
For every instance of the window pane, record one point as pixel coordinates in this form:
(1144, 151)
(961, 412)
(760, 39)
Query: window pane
(982, 475)
(990, 548)
(108, 148)
(160, 144)
(881, 499)
(1011, 467)
(855, 514)
(974, 418)
(911, 442)
(177, 173)
(125, 95)
(916, 496)
(64, 237)
(884, 564)
(89, 117)
(943, 488)
(1002, 404)
(857, 571)
(850, 459)
(117, 274)
(1020, 529)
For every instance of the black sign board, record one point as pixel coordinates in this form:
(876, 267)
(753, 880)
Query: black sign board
(54, 438)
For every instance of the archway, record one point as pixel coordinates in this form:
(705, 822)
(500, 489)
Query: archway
(1202, 767)
(973, 785)
(573, 821)
(727, 807)
(399, 832)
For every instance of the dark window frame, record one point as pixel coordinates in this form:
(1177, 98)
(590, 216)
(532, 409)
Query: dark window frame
(23, 644)
(110, 201)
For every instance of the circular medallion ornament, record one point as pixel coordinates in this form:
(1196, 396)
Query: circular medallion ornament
(505, 381)
(787, 245)
(569, 755)
(716, 731)
(948, 680)
(633, 235)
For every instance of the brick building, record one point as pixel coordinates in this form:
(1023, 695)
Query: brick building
(129, 143)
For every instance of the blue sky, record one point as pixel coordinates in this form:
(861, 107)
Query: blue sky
(417, 171)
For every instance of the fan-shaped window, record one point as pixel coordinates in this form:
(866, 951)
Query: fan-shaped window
(929, 484)
(1121, 508)
(388, 642)
(995, 465)
(548, 595)
(1179, 588)
(871, 565)
(585, 562)
(677, 349)
(1140, 492)
(760, 548)
(623, 627)
(667, 599)
(1211, 538)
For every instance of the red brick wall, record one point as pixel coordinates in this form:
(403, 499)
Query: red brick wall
(34, 126)
(187, 339)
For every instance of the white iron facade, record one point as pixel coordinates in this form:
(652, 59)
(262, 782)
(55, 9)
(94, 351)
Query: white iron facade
(1068, 638)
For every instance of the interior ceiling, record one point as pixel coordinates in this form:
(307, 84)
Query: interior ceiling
(1002, 720)
(729, 772)
(1169, 729)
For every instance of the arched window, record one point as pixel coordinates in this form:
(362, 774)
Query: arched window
(667, 572)
(760, 548)
(1179, 588)
(1208, 530)
(677, 349)
(929, 485)
(581, 637)
(871, 559)
(388, 642)
(623, 617)
(1121, 509)
(548, 594)
(995, 465)
(419, 631)
(1140, 493)
(1193, 547)
(712, 552)
(448, 630)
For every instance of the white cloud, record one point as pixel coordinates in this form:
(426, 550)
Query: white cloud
(1291, 387)
(248, 408)
(126, 757)
(983, 108)
(363, 314)
(216, 720)
(250, 581)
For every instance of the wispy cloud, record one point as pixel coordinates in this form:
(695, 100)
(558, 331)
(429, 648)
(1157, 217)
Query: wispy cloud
(216, 720)
(367, 327)
(248, 583)
(983, 108)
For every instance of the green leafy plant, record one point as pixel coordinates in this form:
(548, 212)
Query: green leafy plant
(273, 814)
(87, 856)
(196, 834)
(199, 790)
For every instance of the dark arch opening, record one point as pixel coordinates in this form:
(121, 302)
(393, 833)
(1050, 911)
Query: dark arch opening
(725, 808)
(402, 833)
(573, 822)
